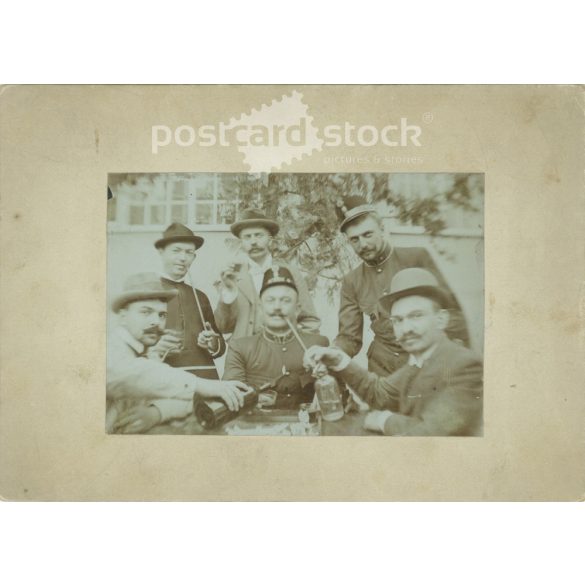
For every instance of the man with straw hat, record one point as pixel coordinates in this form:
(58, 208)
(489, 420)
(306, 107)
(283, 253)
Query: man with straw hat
(141, 390)
(193, 340)
(272, 361)
(439, 392)
(239, 311)
(363, 286)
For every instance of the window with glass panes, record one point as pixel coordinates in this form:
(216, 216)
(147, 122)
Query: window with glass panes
(155, 201)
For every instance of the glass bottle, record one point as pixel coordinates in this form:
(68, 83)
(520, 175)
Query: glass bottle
(214, 412)
(328, 395)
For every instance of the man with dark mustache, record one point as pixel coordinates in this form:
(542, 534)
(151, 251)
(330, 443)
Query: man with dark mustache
(362, 288)
(439, 392)
(141, 390)
(238, 311)
(272, 360)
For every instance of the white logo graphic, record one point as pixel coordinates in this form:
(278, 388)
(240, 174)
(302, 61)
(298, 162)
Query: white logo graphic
(276, 134)
(283, 132)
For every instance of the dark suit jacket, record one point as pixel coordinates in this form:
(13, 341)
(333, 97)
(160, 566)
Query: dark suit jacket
(361, 290)
(442, 398)
(183, 313)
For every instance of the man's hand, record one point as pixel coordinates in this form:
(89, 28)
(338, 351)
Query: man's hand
(208, 339)
(138, 420)
(231, 392)
(229, 276)
(376, 419)
(168, 343)
(317, 358)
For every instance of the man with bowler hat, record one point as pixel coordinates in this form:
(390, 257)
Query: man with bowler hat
(239, 311)
(192, 340)
(363, 286)
(141, 390)
(439, 392)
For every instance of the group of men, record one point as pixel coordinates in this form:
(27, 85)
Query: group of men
(421, 377)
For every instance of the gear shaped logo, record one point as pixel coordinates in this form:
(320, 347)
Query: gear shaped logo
(276, 134)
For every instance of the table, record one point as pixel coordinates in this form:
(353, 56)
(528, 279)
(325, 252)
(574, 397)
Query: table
(350, 425)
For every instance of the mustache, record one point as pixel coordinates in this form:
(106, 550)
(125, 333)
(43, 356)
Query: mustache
(277, 314)
(155, 330)
(408, 337)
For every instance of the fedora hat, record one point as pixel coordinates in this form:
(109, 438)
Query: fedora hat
(351, 208)
(415, 282)
(277, 276)
(254, 218)
(177, 232)
(140, 287)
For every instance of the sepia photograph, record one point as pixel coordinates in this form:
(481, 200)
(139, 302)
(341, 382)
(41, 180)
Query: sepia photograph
(299, 304)
(388, 256)
(374, 321)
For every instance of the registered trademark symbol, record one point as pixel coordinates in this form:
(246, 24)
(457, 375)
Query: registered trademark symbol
(427, 117)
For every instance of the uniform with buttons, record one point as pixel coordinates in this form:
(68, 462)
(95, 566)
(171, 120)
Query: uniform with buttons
(275, 362)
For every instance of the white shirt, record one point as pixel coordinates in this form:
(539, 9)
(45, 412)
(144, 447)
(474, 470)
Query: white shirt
(256, 271)
(126, 336)
(419, 360)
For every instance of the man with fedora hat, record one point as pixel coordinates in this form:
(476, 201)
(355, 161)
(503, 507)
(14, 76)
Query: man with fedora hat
(439, 391)
(272, 361)
(238, 311)
(141, 390)
(363, 286)
(193, 340)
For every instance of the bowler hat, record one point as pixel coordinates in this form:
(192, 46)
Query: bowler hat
(415, 282)
(177, 232)
(254, 218)
(277, 276)
(353, 207)
(140, 287)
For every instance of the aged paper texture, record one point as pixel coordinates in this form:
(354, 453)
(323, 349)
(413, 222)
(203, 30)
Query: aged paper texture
(59, 145)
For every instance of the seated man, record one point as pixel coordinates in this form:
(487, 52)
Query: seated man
(439, 391)
(272, 360)
(142, 391)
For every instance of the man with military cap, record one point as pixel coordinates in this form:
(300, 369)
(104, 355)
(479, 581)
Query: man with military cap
(238, 311)
(192, 340)
(141, 390)
(272, 360)
(439, 392)
(362, 288)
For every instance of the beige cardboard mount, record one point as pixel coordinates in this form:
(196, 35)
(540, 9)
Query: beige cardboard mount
(57, 146)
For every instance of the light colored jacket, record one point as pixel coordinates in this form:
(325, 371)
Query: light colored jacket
(132, 380)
